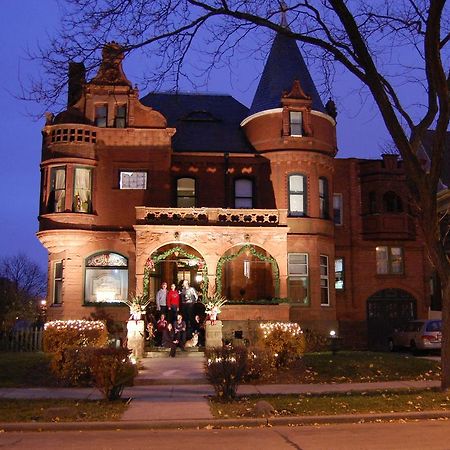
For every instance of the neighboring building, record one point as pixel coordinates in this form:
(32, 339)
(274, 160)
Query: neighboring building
(250, 203)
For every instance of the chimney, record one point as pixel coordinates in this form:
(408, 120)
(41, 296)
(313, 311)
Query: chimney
(77, 78)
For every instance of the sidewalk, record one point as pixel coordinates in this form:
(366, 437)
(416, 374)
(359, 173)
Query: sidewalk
(173, 392)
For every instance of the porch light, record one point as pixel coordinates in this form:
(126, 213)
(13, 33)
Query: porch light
(198, 278)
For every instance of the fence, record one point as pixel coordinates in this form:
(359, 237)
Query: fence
(29, 340)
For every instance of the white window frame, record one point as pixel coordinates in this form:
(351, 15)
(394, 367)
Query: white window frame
(57, 281)
(123, 184)
(300, 275)
(302, 194)
(339, 285)
(324, 280)
(296, 123)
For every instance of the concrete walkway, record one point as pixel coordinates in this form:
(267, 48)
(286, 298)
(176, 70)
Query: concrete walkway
(175, 389)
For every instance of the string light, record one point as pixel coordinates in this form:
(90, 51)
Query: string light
(290, 327)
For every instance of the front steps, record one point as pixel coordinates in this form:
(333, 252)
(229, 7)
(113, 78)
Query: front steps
(160, 352)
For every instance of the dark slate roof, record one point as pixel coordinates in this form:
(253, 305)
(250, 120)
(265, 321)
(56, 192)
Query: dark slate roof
(284, 65)
(204, 122)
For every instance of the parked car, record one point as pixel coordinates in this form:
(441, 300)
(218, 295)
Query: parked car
(418, 335)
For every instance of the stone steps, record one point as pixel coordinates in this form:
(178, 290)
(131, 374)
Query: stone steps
(157, 352)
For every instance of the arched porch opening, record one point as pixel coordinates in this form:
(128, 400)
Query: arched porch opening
(247, 273)
(386, 310)
(174, 263)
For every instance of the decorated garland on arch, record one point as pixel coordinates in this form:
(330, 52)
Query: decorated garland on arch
(227, 258)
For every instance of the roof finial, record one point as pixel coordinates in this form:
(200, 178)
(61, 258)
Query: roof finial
(283, 9)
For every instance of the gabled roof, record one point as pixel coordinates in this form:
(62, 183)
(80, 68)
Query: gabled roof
(204, 122)
(284, 65)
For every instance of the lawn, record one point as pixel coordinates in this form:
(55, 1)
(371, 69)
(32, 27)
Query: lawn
(334, 404)
(60, 410)
(355, 367)
(26, 370)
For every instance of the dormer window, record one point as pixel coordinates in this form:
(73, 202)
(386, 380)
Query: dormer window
(296, 123)
(101, 116)
(121, 117)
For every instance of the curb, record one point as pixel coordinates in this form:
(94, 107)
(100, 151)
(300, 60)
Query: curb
(221, 423)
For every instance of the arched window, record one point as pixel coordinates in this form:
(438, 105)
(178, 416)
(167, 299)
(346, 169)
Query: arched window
(392, 202)
(297, 195)
(186, 193)
(243, 193)
(106, 276)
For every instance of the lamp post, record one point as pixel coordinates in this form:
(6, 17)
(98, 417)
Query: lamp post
(334, 342)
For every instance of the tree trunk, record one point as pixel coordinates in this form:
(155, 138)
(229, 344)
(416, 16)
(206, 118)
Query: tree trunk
(445, 352)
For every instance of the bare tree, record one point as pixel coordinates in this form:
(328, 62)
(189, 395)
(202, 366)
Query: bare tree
(22, 285)
(369, 38)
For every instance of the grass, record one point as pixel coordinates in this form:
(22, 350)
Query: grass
(60, 410)
(26, 370)
(333, 404)
(355, 367)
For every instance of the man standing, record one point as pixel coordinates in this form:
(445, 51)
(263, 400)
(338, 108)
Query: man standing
(161, 299)
(189, 297)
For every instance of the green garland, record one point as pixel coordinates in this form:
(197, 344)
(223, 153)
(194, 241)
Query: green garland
(224, 259)
(156, 258)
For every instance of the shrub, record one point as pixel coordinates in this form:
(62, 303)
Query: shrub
(76, 367)
(315, 342)
(259, 364)
(60, 335)
(112, 371)
(225, 368)
(284, 341)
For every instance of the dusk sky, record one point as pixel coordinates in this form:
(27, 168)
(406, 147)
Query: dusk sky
(24, 23)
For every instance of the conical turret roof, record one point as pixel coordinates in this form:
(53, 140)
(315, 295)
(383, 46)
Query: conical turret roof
(284, 65)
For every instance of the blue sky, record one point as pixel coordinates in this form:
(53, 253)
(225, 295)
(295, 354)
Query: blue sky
(24, 24)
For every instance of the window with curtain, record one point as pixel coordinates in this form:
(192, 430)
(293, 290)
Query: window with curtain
(339, 273)
(57, 194)
(389, 260)
(324, 199)
(121, 116)
(297, 195)
(296, 123)
(57, 282)
(106, 276)
(298, 280)
(324, 281)
(186, 195)
(101, 116)
(82, 190)
(337, 209)
(243, 193)
(133, 180)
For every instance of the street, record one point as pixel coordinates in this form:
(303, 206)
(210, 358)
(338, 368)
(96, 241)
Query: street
(432, 435)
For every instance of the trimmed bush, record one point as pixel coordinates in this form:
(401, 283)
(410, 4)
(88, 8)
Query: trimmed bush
(225, 368)
(315, 342)
(112, 371)
(259, 364)
(76, 367)
(284, 342)
(60, 336)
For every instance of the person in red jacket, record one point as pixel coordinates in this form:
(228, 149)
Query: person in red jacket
(173, 303)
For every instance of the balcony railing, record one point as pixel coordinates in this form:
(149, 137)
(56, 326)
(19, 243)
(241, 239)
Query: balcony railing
(388, 225)
(70, 133)
(211, 216)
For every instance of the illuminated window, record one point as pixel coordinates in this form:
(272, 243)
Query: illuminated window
(389, 260)
(298, 277)
(337, 209)
(57, 195)
(324, 199)
(339, 273)
(57, 282)
(324, 281)
(82, 190)
(133, 180)
(101, 116)
(106, 278)
(121, 117)
(243, 193)
(296, 123)
(297, 195)
(186, 193)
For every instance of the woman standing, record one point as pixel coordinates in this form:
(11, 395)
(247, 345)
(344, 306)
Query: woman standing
(173, 303)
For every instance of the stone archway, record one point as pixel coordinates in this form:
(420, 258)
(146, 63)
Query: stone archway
(247, 273)
(173, 263)
(386, 310)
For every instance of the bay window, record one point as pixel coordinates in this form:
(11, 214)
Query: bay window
(297, 195)
(298, 278)
(324, 281)
(82, 190)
